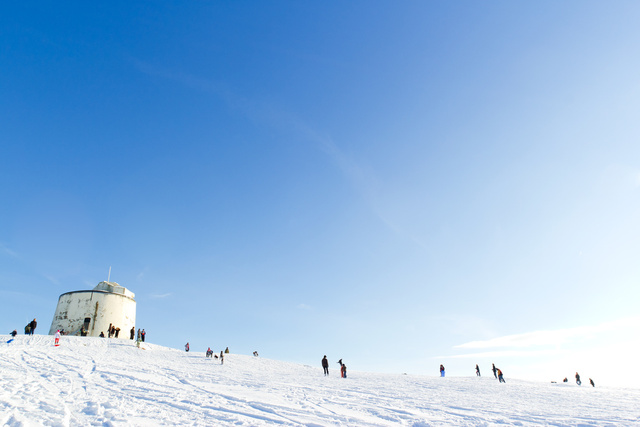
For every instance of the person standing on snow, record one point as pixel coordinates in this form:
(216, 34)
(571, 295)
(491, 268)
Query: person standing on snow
(325, 365)
(57, 338)
(132, 333)
(221, 358)
(343, 371)
(493, 368)
(442, 370)
(33, 326)
(186, 347)
(500, 377)
(578, 379)
(591, 382)
(143, 334)
(477, 370)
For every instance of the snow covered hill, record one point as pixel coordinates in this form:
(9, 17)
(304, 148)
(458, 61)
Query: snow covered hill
(101, 381)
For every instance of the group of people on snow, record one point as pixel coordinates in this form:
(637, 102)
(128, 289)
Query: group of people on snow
(210, 353)
(325, 367)
(579, 381)
(496, 372)
(30, 329)
(112, 331)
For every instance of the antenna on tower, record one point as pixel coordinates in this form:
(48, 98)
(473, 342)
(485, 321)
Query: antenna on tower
(109, 277)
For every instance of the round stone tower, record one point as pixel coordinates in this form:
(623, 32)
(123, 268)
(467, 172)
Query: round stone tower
(94, 310)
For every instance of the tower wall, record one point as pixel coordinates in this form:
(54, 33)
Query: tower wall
(98, 308)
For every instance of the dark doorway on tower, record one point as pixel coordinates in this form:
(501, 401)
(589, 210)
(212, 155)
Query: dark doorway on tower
(85, 327)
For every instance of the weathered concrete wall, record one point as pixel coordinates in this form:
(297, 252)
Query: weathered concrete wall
(101, 307)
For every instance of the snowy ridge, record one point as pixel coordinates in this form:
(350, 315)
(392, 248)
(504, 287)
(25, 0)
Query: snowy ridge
(101, 381)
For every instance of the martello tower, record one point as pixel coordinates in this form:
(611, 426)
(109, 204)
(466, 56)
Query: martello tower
(107, 303)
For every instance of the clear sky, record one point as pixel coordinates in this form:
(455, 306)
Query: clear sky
(397, 184)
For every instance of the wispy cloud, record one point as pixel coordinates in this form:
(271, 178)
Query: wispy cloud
(52, 279)
(504, 354)
(360, 177)
(168, 294)
(5, 250)
(191, 81)
(552, 337)
(140, 275)
(303, 306)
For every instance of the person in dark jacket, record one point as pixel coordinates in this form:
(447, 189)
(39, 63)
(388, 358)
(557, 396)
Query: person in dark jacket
(477, 370)
(343, 370)
(442, 370)
(33, 326)
(143, 335)
(500, 377)
(325, 365)
(591, 382)
(578, 379)
(493, 368)
(14, 333)
(132, 332)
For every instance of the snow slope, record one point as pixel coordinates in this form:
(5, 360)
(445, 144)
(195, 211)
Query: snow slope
(101, 381)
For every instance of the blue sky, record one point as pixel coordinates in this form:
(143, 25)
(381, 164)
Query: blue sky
(396, 184)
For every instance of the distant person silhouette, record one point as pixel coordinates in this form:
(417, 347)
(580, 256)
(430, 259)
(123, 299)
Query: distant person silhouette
(493, 368)
(442, 370)
(500, 377)
(325, 365)
(578, 379)
(591, 382)
(477, 370)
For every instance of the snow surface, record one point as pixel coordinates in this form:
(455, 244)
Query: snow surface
(101, 381)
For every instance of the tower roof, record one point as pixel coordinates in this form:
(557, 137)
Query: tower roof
(115, 288)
